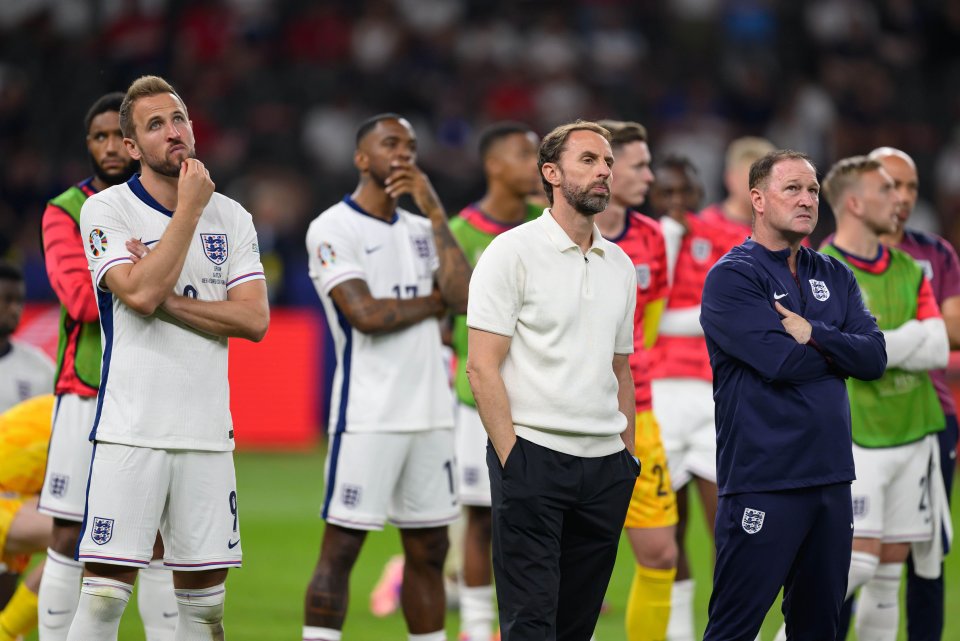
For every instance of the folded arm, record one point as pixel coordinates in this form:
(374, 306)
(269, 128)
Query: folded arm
(382, 315)
(245, 313)
(857, 348)
(681, 322)
(918, 345)
(737, 316)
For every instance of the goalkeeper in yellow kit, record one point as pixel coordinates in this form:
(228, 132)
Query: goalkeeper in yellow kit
(24, 433)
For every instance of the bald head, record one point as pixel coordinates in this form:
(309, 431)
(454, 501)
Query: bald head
(886, 152)
(903, 171)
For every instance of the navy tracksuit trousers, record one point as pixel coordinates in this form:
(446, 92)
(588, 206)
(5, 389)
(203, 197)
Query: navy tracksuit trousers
(799, 540)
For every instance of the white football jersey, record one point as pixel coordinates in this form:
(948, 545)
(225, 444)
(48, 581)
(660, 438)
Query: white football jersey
(25, 372)
(164, 384)
(392, 382)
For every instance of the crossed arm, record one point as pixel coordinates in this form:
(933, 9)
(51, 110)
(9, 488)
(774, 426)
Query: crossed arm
(245, 313)
(783, 346)
(382, 315)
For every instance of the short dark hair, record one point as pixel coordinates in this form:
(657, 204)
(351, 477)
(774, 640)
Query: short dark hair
(679, 163)
(10, 272)
(143, 87)
(108, 102)
(761, 168)
(497, 132)
(623, 132)
(555, 142)
(844, 174)
(367, 125)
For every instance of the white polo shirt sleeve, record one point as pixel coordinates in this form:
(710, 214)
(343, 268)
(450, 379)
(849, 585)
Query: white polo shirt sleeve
(333, 251)
(496, 289)
(105, 232)
(245, 265)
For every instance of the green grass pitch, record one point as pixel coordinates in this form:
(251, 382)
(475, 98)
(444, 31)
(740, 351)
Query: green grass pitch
(280, 495)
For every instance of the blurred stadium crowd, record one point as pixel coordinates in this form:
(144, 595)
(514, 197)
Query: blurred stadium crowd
(277, 87)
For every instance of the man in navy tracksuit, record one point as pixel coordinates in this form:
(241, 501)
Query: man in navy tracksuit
(785, 326)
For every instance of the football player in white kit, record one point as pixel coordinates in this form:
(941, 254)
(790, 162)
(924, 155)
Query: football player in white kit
(385, 275)
(25, 370)
(163, 435)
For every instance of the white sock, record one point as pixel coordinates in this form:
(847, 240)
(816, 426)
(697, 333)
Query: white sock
(862, 568)
(439, 635)
(680, 625)
(58, 596)
(98, 613)
(878, 609)
(312, 633)
(157, 602)
(476, 612)
(201, 613)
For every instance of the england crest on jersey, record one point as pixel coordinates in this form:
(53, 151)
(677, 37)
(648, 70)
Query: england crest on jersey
(643, 276)
(700, 249)
(819, 289)
(215, 247)
(752, 520)
(102, 530)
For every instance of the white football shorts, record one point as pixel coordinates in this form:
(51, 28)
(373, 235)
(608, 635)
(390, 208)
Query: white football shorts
(471, 448)
(684, 410)
(189, 496)
(64, 492)
(891, 495)
(408, 479)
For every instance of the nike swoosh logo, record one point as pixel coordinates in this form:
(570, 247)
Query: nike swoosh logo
(57, 612)
(233, 544)
(777, 296)
(370, 250)
(169, 615)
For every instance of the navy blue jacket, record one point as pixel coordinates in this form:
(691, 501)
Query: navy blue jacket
(782, 413)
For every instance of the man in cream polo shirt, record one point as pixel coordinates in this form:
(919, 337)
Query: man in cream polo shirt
(550, 317)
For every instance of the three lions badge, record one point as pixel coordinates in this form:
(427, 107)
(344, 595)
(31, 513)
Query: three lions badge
(752, 520)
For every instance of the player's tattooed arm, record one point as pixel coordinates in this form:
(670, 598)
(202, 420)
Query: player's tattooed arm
(453, 277)
(383, 315)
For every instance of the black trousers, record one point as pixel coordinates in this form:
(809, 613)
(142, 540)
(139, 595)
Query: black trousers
(556, 525)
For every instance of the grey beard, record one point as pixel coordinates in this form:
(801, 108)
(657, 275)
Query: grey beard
(583, 202)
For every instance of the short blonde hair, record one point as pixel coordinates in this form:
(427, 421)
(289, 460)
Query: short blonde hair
(845, 174)
(554, 143)
(142, 87)
(747, 149)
